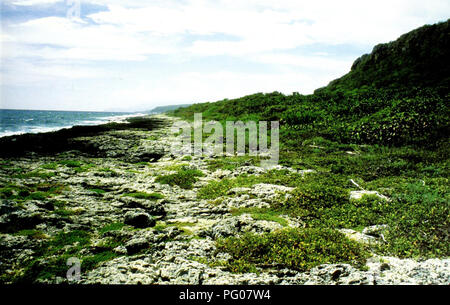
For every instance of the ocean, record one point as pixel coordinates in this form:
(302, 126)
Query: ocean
(14, 122)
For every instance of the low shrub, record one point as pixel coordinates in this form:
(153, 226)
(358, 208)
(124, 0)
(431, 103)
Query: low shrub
(299, 249)
(184, 178)
(143, 195)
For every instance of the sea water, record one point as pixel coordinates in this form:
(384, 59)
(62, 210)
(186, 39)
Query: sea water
(14, 122)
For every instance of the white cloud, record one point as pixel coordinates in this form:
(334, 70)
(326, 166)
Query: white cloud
(72, 39)
(32, 2)
(277, 24)
(263, 33)
(317, 62)
(19, 73)
(132, 33)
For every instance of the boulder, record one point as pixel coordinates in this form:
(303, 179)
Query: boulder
(139, 219)
(136, 245)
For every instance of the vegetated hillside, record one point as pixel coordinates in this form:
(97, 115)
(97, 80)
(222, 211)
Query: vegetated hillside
(162, 109)
(397, 96)
(420, 58)
(384, 125)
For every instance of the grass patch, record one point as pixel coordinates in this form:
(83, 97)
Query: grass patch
(261, 214)
(6, 192)
(108, 170)
(83, 168)
(53, 165)
(215, 189)
(159, 227)
(34, 234)
(76, 165)
(231, 163)
(77, 238)
(419, 222)
(142, 163)
(39, 195)
(115, 226)
(64, 212)
(176, 167)
(315, 193)
(143, 195)
(51, 258)
(97, 191)
(35, 174)
(90, 262)
(36, 192)
(184, 178)
(182, 226)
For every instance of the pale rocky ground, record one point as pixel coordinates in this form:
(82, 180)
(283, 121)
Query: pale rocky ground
(179, 253)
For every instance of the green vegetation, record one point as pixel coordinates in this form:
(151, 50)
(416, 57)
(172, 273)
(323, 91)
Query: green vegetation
(184, 178)
(143, 195)
(231, 163)
(66, 213)
(182, 226)
(50, 258)
(108, 170)
(299, 249)
(115, 226)
(83, 168)
(419, 223)
(52, 165)
(261, 214)
(34, 234)
(40, 191)
(215, 189)
(176, 166)
(97, 191)
(90, 262)
(160, 226)
(365, 116)
(415, 59)
(77, 166)
(384, 125)
(6, 192)
(35, 174)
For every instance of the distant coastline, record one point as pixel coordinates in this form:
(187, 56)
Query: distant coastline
(18, 122)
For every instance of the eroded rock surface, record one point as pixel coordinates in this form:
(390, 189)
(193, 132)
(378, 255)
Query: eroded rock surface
(169, 238)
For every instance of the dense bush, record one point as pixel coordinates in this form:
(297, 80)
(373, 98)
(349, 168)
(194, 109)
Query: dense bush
(299, 249)
(388, 117)
(314, 193)
(415, 120)
(419, 223)
(184, 178)
(143, 195)
(418, 216)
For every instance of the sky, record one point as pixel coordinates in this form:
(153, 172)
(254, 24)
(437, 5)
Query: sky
(133, 55)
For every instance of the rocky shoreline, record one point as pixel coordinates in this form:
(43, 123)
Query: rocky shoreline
(102, 184)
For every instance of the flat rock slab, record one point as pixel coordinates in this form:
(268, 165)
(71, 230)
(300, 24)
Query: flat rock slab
(357, 195)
